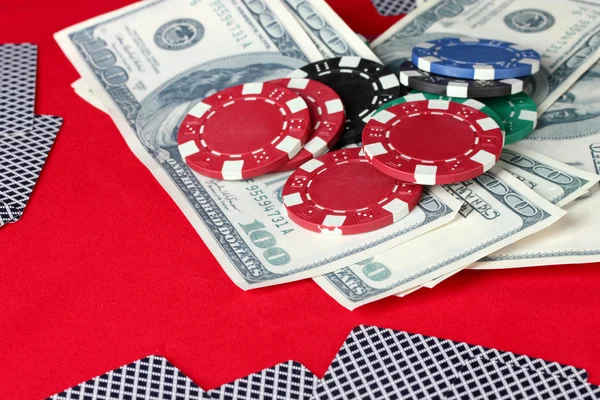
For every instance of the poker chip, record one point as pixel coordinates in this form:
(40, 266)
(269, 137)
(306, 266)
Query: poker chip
(363, 85)
(518, 113)
(414, 78)
(341, 193)
(417, 96)
(244, 131)
(432, 142)
(326, 115)
(472, 58)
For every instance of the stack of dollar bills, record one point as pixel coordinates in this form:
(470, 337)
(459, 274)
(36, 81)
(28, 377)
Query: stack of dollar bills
(145, 65)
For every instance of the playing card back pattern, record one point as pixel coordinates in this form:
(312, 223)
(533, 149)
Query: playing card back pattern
(373, 363)
(18, 65)
(21, 160)
(481, 379)
(289, 380)
(152, 377)
(394, 7)
(386, 364)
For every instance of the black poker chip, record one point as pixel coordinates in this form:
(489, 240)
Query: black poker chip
(414, 78)
(363, 85)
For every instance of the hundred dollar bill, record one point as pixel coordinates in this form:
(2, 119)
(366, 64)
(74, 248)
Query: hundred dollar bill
(569, 131)
(556, 182)
(149, 63)
(565, 32)
(328, 31)
(498, 210)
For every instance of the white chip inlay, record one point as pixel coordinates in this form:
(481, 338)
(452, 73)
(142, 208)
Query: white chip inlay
(188, 148)
(296, 104)
(334, 220)
(389, 81)
(252, 88)
(293, 199)
(298, 74)
(397, 208)
(311, 165)
(488, 160)
(383, 116)
(316, 146)
(406, 75)
(298, 83)
(414, 97)
(519, 47)
(438, 105)
(289, 145)
(425, 45)
(424, 63)
(527, 115)
(334, 106)
(457, 89)
(232, 170)
(484, 72)
(535, 64)
(425, 174)
(199, 109)
(375, 149)
(474, 104)
(516, 85)
(349, 61)
(487, 124)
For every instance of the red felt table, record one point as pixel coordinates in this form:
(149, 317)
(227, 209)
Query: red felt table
(104, 269)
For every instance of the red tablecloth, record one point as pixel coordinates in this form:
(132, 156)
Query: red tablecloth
(104, 269)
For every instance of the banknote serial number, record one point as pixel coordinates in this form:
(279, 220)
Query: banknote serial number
(236, 30)
(271, 209)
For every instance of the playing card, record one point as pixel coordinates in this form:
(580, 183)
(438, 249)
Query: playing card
(481, 379)
(22, 157)
(394, 7)
(387, 364)
(285, 381)
(18, 65)
(151, 378)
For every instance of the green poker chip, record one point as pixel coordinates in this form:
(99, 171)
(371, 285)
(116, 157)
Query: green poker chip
(518, 113)
(416, 96)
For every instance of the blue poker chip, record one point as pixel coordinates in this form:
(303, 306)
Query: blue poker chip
(479, 59)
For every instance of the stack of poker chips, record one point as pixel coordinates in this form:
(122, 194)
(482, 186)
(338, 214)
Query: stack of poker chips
(290, 124)
(258, 128)
(439, 134)
(496, 73)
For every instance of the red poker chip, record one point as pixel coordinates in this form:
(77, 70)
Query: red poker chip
(341, 193)
(432, 142)
(244, 131)
(326, 114)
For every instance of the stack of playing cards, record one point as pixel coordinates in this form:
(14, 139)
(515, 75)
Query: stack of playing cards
(373, 363)
(25, 138)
